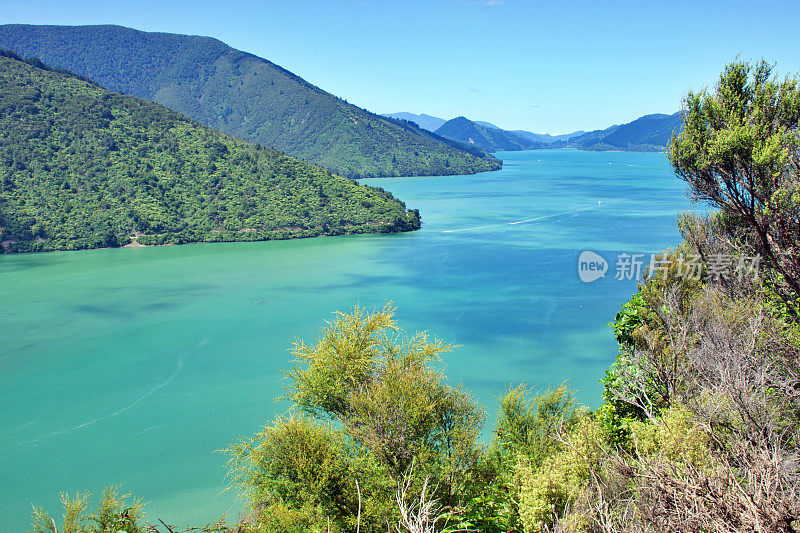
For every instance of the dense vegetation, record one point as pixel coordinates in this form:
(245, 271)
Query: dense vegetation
(650, 133)
(486, 137)
(246, 96)
(81, 167)
(699, 430)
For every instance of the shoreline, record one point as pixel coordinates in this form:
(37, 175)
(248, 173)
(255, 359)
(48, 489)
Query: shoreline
(135, 244)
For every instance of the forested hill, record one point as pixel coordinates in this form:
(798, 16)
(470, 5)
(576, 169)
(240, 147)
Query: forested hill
(82, 167)
(246, 96)
(650, 133)
(486, 137)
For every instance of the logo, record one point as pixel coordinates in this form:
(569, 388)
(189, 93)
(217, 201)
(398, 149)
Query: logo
(591, 266)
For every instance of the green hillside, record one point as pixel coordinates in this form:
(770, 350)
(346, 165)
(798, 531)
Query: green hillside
(246, 96)
(82, 167)
(486, 136)
(650, 133)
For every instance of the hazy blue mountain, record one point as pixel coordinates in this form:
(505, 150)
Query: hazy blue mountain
(546, 137)
(492, 139)
(584, 140)
(246, 96)
(645, 133)
(650, 133)
(431, 123)
(487, 124)
(423, 121)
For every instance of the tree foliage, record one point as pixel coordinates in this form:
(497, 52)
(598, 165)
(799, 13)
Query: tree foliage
(116, 513)
(396, 422)
(739, 151)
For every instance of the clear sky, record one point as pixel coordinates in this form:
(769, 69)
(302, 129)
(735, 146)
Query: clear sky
(545, 66)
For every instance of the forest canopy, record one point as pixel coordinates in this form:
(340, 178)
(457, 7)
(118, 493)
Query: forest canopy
(82, 167)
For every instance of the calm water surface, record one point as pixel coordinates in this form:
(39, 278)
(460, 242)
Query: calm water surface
(134, 365)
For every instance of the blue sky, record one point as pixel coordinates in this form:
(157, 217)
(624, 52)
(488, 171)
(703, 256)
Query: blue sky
(546, 66)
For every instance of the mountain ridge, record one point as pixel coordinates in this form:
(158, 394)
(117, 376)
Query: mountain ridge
(246, 96)
(491, 139)
(546, 137)
(648, 133)
(424, 121)
(432, 123)
(82, 167)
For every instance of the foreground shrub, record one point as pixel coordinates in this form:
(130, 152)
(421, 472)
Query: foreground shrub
(549, 490)
(116, 513)
(395, 421)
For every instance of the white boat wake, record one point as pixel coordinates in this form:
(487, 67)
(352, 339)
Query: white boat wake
(153, 389)
(527, 220)
(470, 229)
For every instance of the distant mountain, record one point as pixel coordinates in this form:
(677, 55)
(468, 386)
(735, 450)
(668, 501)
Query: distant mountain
(645, 133)
(431, 123)
(650, 133)
(246, 96)
(492, 139)
(423, 121)
(487, 124)
(585, 140)
(82, 167)
(547, 138)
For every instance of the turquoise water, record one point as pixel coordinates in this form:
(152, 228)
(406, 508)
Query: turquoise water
(134, 365)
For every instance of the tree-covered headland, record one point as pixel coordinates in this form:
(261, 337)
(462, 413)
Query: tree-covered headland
(82, 167)
(699, 429)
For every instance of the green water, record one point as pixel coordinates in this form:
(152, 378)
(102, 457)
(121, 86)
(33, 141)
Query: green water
(134, 365)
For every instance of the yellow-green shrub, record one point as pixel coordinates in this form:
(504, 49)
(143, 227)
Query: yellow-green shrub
(290, 519)
(548, 491)
(675, 437)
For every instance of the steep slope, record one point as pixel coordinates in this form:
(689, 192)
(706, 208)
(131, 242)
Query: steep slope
(424, 121)
(246, 96)
(492, 139)
(81, 167)
(650, 133)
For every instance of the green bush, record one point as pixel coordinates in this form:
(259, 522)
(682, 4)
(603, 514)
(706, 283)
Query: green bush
(675, 437)
(116, 513)
(393, 415)
(547, 490)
